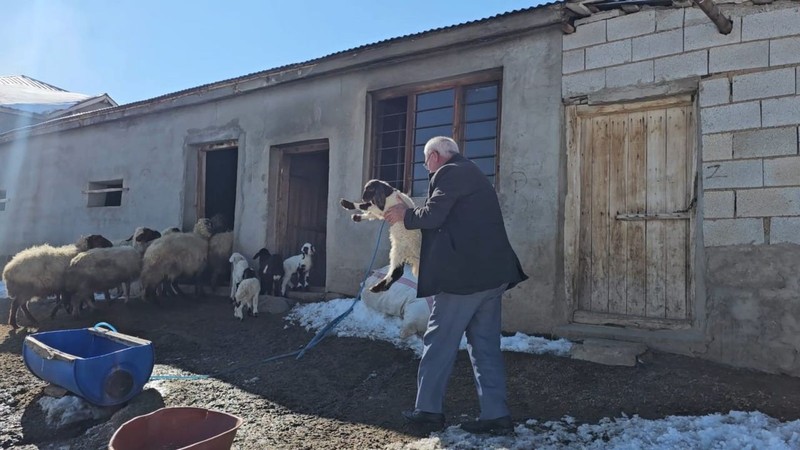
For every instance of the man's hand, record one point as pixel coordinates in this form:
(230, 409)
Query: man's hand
(395, 214)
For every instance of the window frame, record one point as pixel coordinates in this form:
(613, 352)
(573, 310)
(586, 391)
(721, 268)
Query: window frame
(459, 83)
(3, 200)
(94, 189)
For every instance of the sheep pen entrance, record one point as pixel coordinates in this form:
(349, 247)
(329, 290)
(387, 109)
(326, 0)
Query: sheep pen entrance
(217, 188)
(303, 203)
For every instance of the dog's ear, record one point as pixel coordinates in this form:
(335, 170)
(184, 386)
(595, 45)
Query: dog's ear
(379, 199)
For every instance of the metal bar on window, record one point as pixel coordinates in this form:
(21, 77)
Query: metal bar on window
(103, 191)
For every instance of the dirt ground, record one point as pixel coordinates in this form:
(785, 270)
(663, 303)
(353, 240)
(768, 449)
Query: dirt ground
(348, 393)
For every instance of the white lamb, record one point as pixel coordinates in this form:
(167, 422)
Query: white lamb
(247, 295)
(298, 266)
(377, 197)
(238, 266)
(39, 272)
(176, 255)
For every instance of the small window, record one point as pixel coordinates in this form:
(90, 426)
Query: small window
(3, 200)
(468, 110)
(105, 193)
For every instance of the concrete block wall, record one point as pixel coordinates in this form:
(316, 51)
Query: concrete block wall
(749, 98)
(749, 123)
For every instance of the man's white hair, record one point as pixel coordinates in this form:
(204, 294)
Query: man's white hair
(442, 145)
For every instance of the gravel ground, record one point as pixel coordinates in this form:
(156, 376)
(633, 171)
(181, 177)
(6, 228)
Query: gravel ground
(348, 393)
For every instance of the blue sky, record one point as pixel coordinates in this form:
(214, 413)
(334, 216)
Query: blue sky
(139, 49)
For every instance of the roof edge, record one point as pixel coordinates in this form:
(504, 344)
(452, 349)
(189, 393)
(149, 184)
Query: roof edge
(476, 32)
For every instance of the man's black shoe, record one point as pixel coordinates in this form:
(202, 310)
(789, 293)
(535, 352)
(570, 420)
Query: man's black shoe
(501, 425)
(417, 417)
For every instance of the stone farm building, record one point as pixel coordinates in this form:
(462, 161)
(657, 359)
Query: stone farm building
(647, 165)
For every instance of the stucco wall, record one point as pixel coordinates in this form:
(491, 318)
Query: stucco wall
(155, 154)
(749, 111)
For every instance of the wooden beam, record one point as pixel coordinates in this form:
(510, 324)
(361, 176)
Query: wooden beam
(724, 24)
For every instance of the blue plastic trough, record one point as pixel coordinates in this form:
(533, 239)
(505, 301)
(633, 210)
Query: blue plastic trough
(104, 367)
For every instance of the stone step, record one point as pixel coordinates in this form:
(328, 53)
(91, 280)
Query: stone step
(608, 352)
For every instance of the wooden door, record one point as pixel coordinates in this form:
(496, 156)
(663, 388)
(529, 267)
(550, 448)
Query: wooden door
(629, 213)
(303, 206)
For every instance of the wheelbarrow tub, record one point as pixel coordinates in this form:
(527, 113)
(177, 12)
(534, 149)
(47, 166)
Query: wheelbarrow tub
(177, 428)
(104, 367)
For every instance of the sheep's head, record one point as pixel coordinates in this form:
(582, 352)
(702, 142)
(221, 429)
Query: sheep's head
(236, 257)
(376, 191)
(143, 235)
(92, 241)
(219, 223)
(307, 249)
(204, 228)
(263, 253)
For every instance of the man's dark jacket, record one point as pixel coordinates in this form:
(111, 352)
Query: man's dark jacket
(465, 247)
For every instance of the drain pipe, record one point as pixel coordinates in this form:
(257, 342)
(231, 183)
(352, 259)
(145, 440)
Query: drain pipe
(724, 24)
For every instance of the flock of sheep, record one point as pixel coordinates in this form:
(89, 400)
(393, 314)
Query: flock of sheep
(158, 260)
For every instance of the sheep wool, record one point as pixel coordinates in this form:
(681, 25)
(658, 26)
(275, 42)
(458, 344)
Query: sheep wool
(247, 296)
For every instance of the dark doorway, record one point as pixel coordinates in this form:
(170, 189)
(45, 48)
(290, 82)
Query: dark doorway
(303, 205)
(219, 192)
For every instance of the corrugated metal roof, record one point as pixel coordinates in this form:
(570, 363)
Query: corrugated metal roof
(23, 93)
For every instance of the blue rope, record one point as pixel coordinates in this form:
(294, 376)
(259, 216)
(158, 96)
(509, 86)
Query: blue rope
(323, 332)
(311, 344)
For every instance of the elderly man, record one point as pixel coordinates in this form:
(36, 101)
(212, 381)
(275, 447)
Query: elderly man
(467, 262)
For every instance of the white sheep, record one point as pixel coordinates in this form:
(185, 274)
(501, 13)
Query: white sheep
(377, 197)
(247, 295)
(238, 266)
(298, 266)
(176, 255)
(39, 272)
(101, 269)
(401, 302)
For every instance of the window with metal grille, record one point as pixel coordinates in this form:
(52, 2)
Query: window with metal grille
(468, 110)
(105, 193)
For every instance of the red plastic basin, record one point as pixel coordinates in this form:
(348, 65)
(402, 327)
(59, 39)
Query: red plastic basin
(177, 428)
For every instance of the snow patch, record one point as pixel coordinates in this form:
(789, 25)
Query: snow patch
(68, 409)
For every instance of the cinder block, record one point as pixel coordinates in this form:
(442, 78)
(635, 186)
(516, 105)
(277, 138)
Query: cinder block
(765, 142)
(707, 35)
(781, 111)
(681, 66)
(737, 116)
(717, 146)
(586, 35)
(630, 74)
(770, 83)
(694, 16)
(733, 174)
(721, 232)
(751, 55)
(718, 204)
(572, 61)
(656, 45)
(784, 51)
(784, 229)
(782, 171)
(609, 54)
(770, 24)
(583, 82)
(715, 91)
(669, 19)
(631, 25)
(768, 202)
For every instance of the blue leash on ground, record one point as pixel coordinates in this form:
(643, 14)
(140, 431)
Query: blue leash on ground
(321, 334)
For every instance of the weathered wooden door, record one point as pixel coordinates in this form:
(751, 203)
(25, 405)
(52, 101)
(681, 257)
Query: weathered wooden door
(303, 204)
(629, 213)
